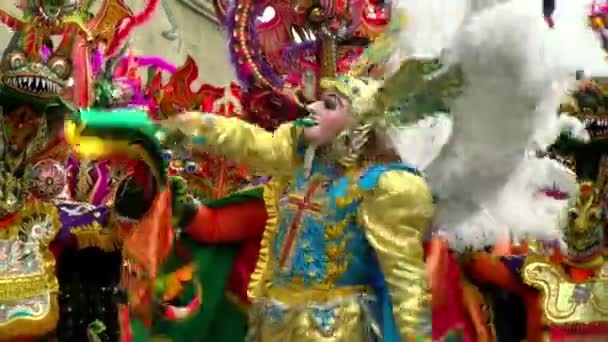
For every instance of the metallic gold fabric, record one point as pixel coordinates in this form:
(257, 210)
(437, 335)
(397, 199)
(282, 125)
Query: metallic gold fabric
(28, 285)
(258, 282)
(565, 302)
(305, 296)
(93, 235)
(396, 215)
(392, 216)
(268, 153)
(341, 320)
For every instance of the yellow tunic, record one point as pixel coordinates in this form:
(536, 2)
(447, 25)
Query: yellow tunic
(394, 215)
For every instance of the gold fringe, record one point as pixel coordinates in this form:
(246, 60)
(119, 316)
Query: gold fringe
(33, 327)
(258, 281)
(91, 235)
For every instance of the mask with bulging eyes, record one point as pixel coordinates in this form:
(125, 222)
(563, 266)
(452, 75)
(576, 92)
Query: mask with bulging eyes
(52, 9)
(584, 231)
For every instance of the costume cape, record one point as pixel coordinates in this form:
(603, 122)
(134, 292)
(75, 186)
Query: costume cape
(219, 319)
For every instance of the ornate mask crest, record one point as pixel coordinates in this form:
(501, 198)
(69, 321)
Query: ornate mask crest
(584, 233)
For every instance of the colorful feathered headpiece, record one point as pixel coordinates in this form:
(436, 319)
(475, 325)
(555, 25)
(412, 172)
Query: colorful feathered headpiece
(387, 94)
(356, 85)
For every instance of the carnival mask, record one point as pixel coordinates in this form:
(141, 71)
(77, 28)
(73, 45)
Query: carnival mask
(584, 232)
(331, 117)
(283, 47)
(50, 10)
(589, 103)
(43, 81)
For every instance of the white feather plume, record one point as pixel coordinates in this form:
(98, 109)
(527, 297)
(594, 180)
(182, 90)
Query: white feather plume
(516, 75)
(521, 210)
(419, 144)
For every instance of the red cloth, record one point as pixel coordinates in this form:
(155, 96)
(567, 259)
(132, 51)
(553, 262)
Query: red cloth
(232, 223)
(592, 331)
(486, 268)
(243, 222)
(449, 311)
(244, 265)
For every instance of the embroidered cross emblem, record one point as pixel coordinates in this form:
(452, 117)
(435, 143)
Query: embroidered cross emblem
(302, 205)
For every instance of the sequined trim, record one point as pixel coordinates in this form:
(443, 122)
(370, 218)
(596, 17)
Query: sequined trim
(344, 319)
(272, 192)
(45, 323)
(565, 302)
(31, 293)
(303, 296)
(93, 235)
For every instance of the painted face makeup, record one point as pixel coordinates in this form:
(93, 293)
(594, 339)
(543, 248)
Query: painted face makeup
(330, 115)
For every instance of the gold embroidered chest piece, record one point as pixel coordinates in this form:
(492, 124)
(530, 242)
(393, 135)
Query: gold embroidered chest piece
(565, 302)
(28, 286)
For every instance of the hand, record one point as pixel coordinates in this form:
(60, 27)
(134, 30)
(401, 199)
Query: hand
(184, 205)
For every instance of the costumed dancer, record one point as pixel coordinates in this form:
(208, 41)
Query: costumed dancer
(176, 286)
(82, 223)
(355, 293)
(95, 182)
(245, 260)
(229, 229)
(32, 176)
(539, 177)
(574, 274)
(168, 100)
(349, 121)
(230, 226)
(573, 260)
(36, 79)
(289, 269)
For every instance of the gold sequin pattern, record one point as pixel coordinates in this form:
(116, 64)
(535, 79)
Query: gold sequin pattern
(41, 283)
(563, 301)
(346, 321)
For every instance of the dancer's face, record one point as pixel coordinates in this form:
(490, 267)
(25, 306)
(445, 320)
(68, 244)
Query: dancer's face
(332, 116)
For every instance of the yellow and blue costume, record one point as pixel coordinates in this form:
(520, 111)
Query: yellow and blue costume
(342, 257)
